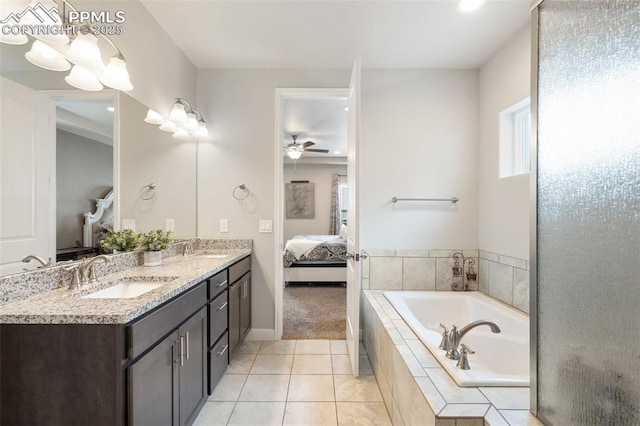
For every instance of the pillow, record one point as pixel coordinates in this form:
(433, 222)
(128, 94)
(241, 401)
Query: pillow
(343, 232)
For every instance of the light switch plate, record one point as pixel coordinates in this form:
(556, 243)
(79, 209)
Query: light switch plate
(224, 225)
(265, 226)
(170, 225)
(129, 224)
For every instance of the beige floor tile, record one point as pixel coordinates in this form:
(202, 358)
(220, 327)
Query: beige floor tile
(228, 388)
(341, 364)
(268, 387)
(360, 389)
(278, 347)
(362, 414)
(214, 414)
(257, 413)
(313, 347)
(272, 364)
(311, 364)
(310, 414)
(249, 347)
(311, 388)
(364, 365)
(241, 364)
(338, 347)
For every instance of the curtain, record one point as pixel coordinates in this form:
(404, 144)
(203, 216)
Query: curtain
(334, 211)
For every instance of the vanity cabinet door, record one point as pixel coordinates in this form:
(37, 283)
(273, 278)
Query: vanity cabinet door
(193, 368)
(245, 305)
(153, 385)
(234, 317)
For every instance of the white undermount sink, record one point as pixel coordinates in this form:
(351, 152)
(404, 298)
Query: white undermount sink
(213, 256)
(129, 287)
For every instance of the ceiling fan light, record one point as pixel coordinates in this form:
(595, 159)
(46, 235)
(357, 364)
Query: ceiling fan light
(181, 134)
(116, 76)
(168, 126)
(46, 57)
(153, 117)
(84, 51)
(178, 113)
(466, 6)
(294, 154)
(82, 78)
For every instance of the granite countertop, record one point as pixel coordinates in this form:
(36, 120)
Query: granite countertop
(63, 306)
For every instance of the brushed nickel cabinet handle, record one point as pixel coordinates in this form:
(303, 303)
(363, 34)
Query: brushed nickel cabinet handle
(221, 307)
(187, 345)
(223, 283)
(181, 351)
(223, 350)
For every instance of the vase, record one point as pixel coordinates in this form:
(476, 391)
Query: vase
(152, 258)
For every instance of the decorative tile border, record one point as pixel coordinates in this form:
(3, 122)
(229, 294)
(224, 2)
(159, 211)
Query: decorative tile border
(417, 390)
(415, 269)
(505, 278)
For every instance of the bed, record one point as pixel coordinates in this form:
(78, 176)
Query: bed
(315, 258)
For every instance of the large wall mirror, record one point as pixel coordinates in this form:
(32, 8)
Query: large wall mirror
(66, 154)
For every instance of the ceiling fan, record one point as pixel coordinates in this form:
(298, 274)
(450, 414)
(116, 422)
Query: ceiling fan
(294, 150)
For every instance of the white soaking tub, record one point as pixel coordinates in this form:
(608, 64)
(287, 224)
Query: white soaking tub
(500, 359)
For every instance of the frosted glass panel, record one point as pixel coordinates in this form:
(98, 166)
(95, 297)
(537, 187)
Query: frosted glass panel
(589, 212)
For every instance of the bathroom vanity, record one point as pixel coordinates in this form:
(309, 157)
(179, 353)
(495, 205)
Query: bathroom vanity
(68, 358)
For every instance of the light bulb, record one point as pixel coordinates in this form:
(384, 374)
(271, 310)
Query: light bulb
(294, 154)
(84, 79)
(168, 126)
(46, 57)
(115, 75)
(202, 131)
(178, 114)
(181, 134)
(153, 117)
(84, 51)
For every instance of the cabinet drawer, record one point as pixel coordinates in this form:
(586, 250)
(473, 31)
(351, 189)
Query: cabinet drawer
(217, 284)
(238, 269)
(144, 332)
(218, 359)
(218, 310)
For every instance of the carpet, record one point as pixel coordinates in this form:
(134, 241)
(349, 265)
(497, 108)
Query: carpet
(315, 311)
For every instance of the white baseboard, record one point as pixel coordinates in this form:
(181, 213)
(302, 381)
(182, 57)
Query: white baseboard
(261, 334)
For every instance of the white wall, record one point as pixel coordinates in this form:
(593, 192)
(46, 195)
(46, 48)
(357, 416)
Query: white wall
(504, 203)
(419, 139)
(321, 176)
(148, 155)
(84, 172)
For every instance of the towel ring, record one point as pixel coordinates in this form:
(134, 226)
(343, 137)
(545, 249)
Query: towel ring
(147, 192)
(240, 192)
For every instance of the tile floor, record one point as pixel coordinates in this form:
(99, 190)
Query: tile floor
(295, 382)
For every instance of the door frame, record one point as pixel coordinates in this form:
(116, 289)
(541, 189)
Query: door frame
(278, 227)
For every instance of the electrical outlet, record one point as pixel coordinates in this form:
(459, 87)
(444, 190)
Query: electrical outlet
(170, 225)
(265, 226)
(129, 224)
(224, 225)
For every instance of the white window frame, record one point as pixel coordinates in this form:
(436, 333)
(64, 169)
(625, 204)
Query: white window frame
(515, 139)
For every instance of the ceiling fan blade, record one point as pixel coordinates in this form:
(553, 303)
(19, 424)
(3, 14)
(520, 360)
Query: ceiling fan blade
(325, 151)
(307, 143)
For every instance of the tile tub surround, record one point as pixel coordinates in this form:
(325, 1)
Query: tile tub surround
(505, 278)
(20, 286)
(415, 387)
(419, 269)
(63, 306)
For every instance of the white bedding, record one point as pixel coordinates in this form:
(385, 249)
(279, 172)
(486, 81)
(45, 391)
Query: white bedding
(303, 244)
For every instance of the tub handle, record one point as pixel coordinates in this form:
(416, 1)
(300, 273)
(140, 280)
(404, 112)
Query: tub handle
(463, 362)
(444, 343)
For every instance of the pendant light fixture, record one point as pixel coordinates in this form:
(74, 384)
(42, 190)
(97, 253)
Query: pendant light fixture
(184, 122)
(54, 53)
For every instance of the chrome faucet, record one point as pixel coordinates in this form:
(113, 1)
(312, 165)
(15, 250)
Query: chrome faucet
(455, 335)
(41, 261)
(87, 271)
(187, 246)
(458, 272)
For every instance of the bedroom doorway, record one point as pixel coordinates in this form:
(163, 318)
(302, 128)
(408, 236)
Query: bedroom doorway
(312, 194)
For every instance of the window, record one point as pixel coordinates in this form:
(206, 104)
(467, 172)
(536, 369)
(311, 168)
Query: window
(515, 139)
(344, 201)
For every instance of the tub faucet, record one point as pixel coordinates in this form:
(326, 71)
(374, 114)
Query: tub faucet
(455, 335)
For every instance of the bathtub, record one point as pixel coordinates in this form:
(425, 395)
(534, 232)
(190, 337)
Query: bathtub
(500, 359)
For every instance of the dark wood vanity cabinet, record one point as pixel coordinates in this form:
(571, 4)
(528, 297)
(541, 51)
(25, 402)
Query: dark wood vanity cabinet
(239, 303)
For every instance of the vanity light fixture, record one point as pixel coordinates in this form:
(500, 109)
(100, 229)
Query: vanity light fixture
(466, 6)
(54, 53)
(184, 122)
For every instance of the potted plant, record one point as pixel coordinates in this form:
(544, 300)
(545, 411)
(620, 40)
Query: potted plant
(152, 243)
(119, 241)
